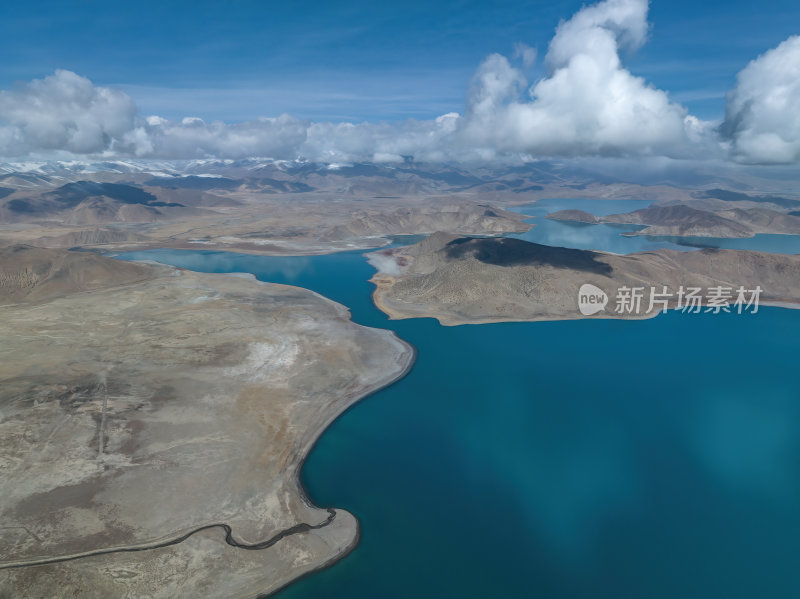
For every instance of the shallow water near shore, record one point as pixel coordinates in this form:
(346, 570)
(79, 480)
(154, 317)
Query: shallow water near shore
(656, 458)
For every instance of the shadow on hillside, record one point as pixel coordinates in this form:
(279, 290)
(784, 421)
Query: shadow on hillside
(516, 252)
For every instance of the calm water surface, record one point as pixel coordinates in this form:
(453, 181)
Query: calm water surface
(582, 459)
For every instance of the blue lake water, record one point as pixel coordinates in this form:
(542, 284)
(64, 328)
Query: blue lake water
(608, 237)
(578, 459)
(559, 460)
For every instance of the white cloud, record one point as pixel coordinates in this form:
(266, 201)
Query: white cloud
(66, 113)
(600, 28)
(279, 137)
(348, 142)
(525, 53)
(587, 104)
(762, 117)
(63, 112)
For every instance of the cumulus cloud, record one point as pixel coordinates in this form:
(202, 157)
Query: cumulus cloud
(63, 112)
(586, 105)
(762, 118)
(66, 113)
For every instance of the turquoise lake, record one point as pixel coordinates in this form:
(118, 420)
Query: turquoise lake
(578, 459)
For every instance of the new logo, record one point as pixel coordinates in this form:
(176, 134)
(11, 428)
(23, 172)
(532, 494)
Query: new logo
(591, 299)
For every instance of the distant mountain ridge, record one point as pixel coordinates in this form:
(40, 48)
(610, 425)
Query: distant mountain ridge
(89, 202)
(289, 198)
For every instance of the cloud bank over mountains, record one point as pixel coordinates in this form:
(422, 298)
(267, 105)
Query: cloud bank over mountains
(587, 104)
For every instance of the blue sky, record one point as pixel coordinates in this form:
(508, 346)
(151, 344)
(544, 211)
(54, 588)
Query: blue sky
(356, 61)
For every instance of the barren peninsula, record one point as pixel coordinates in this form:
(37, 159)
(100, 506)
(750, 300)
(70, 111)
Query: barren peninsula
(153, 422)
(461, 280)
